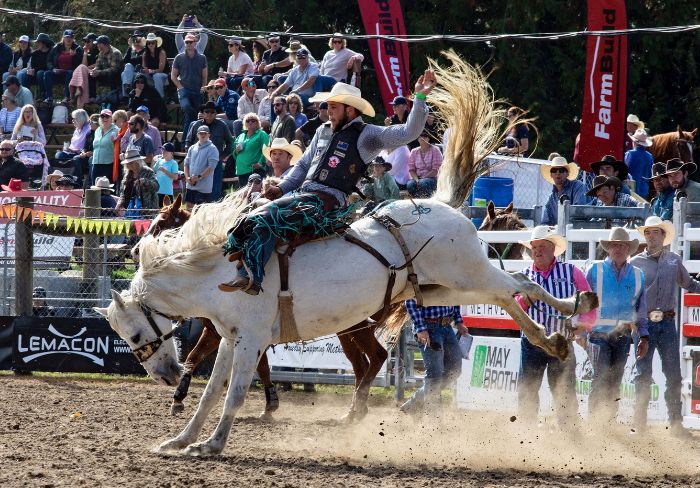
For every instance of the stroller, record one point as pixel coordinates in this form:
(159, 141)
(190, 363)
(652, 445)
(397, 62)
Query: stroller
(33, 155)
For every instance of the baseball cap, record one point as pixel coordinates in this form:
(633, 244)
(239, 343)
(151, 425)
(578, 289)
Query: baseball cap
(203, 128)
(190, 37)
(142, 108)
(103, 40)
(302, 53)
(68, 33)
(90, 37)
(399, 101)
(11, 80)
(137, 33)
(323, 106)
(221, 82)
(169, 146)
(39, 292)
(106, 111)
(24, 38)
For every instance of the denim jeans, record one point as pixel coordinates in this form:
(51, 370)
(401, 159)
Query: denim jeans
(190, 100)
(80, 167)
(234, 82)
(663, 338)
(159, 82)
(127, 77)
(442, 366)
(39, 79)
(50, 77)
(423, 188)
(218, 182)
(561, 376)
(608, 356)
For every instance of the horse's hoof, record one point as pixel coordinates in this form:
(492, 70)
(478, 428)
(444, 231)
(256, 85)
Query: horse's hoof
(559, 346)
(588, 300)
(201, 449)
(176, 408)
(266, 416)
(173, 445)
(349, 417)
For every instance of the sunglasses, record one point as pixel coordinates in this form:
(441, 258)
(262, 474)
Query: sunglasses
(133, 124)
(558, 170)
(5, 149)
(251, 121)
(279, 104)
(105, 116)
(275, 41)
(336, 41)
(189, 42)
(272, 87)
(210, 112)
(219, 87)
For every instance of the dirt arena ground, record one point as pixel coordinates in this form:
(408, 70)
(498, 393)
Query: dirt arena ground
(44, 442)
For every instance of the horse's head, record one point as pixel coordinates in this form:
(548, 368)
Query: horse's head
(148, 333)
(503, 219)
(171, 216)
(685, 144)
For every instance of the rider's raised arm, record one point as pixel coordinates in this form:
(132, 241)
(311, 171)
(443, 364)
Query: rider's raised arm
(375, 138)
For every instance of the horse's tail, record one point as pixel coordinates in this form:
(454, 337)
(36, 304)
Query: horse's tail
(466, 104)
(391, 328)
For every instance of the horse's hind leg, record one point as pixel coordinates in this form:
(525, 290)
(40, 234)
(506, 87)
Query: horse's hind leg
(358, 361)
(207, 343)
(245, 360)
(272, 401)
(554, 345)
(587, 300)
(212, 393)
(375, 352)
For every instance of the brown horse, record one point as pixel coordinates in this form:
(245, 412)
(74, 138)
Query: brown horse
(678, 144)
(360, 345)
(503, 219)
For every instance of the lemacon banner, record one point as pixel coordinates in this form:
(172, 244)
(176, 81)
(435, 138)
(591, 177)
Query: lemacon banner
(489, 380)
(390, 57)
(80, 345)
(605, 91)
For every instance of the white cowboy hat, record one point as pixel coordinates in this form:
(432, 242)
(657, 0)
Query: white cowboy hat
(102, 183)
(152, 37)
(546, 233)
(559, 162)
(281, 144)
(348, 95)
(654, 222)
(633, 119)
(618, 234)
(641, 137)
(56, 174)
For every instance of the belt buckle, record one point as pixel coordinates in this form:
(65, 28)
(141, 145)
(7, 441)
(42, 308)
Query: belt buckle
(656, 315)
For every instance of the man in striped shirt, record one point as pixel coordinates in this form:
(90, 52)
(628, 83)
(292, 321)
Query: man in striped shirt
(561, 280)
(439, 346)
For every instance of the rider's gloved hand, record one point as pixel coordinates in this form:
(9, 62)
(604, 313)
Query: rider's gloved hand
(272, 193)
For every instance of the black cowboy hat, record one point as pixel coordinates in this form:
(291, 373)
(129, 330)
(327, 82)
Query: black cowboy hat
(380, 160)
(657, 170)
(675, 164)
(620, 166)
(601, 181)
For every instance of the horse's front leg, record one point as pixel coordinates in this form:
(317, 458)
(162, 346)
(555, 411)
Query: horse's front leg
(246, 356)
(587, 300)
(212, 393)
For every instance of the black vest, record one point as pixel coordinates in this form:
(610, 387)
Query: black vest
(337, 162)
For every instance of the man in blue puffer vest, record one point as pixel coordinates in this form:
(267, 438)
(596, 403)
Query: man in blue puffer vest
(622, 312)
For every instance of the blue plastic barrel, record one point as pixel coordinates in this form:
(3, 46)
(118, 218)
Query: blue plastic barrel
(491, 188)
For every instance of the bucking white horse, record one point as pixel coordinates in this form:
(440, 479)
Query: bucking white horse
(335, 284)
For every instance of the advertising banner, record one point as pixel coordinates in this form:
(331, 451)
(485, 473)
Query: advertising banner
(323, 354)
(63, 202)
(605, 89)
(45, 246)
(384, 17)
(79, 345)
(490, 380)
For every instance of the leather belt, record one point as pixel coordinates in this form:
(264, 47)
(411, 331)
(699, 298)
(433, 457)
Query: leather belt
(658, 315)
(444, 321)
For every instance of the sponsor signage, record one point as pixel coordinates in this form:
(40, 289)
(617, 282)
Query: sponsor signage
(490, 380)
(45, 246)
(322, 354)
(63, 202)
(605, 89)
(487, 316)
(80, 345)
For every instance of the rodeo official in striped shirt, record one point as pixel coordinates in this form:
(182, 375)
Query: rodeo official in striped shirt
(561, 280)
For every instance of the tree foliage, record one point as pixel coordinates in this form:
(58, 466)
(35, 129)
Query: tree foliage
(545, 77)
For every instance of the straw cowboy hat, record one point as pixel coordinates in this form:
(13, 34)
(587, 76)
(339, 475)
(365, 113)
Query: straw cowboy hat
(281, 144)
(131, 155)
(152, 37)
(601, 181)
(294, 46)
(55, 175)
(619, 166)
(675, 164)
(546, 233)
(654, 222)
(618, 234)
(348, 95)
(558, 162)
(633, 119)
(641, 138)
(102, 183)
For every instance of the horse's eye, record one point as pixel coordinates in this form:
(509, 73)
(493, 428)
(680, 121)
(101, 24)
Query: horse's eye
(136, 338)
(177, 221)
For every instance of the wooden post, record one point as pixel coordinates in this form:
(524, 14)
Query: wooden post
(91, 243)
(24, 255)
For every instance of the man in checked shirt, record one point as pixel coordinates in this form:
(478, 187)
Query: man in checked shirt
(663, 274)
(439, 346)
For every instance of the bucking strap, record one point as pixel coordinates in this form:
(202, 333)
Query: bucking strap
(288, 326)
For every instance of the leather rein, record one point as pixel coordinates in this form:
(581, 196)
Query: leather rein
(144, 352)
